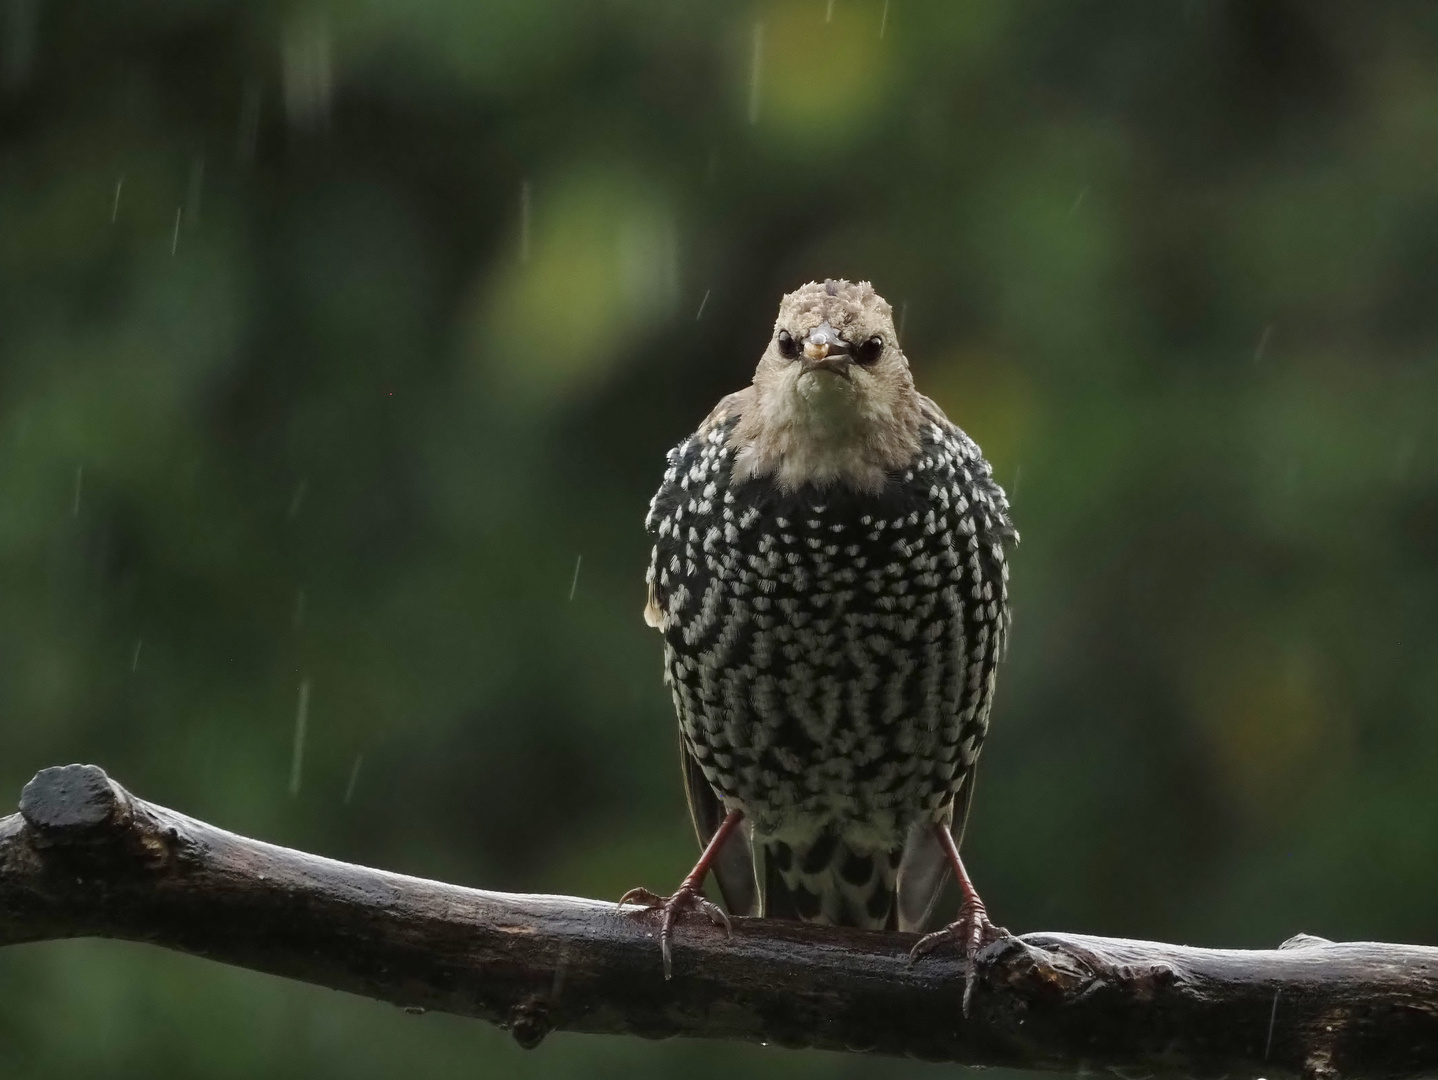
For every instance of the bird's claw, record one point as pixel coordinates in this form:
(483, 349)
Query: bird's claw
(686, 898)
(971, 931)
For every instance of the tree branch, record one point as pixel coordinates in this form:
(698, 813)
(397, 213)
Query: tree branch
(85, 858)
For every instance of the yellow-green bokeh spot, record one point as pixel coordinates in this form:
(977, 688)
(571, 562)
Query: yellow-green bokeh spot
(1274, 722)
(596, 265)
(990, 397)
(819, 82)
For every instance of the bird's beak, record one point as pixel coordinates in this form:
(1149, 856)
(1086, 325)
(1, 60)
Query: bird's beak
(825, 350)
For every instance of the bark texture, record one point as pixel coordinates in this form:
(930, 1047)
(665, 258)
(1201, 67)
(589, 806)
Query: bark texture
(84, 858)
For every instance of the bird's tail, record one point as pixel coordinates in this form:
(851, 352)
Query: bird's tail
(829, 879)
(844, 881)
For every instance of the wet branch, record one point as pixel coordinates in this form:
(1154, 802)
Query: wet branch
(84, 858)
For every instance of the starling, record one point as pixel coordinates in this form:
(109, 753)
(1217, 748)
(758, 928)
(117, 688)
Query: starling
(829, 576)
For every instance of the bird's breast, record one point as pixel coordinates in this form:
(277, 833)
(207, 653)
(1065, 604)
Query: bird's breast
(831, 651)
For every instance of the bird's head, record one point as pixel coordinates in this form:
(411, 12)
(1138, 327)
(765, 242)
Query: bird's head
(832, 397)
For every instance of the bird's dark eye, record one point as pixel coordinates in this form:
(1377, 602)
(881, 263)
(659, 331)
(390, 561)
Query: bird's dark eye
(788, 347)
(869, 350)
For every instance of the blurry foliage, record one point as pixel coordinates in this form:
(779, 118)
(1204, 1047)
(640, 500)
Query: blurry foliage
(334, 335)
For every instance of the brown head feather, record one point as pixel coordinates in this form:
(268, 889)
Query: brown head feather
(800, 426)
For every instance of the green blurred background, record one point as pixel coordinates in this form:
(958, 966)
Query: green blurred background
(335, 338)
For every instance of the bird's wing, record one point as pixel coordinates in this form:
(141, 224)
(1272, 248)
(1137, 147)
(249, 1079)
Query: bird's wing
(925, 865)
(996, 498)
(731, 407)
(673, 492)
(734, 867)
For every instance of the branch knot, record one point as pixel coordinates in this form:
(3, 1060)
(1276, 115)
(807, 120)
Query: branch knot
(67, 804)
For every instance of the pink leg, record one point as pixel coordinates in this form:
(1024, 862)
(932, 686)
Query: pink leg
(689, 896)
(972, 930)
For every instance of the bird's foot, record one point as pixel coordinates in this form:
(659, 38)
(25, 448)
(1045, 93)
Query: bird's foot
(971, 931)
(686, 898)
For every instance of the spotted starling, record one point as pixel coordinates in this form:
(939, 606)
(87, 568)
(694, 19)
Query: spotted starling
(829, 576)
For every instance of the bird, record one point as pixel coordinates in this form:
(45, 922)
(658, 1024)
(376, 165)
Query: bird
(830, 576)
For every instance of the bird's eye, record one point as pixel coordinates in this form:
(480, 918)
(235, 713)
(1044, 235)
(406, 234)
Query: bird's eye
(788, 347)
(869, 350)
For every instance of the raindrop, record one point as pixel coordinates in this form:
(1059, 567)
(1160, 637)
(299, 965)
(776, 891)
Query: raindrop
(135, 656)
(700, 314)
(79, 483)
(756, 67)
(574, 584)
(192, 193)
(210, 745)
(884, 20)
(1404, 459)
(561, 971)
(17, 54)
(305, 50)
(524, 200)
(115, 206)
(1272, 1016)
(248, 136)
(648, 257)
(354, 778)
(302, 721)
(903, 318)
(1078, 200)
(299, 615)
(1263, 340)
(297, 499)
(829, 11)
(1014, 489)
(175, 239)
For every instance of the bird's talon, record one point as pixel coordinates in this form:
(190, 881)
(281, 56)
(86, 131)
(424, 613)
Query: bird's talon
(641, 896)
(716, 915)
(971, 931)
(686, 898)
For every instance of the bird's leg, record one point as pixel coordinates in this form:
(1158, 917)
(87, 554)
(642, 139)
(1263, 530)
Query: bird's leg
(972, 930)
(689, 896)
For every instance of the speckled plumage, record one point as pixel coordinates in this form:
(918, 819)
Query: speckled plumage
(831, 643)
